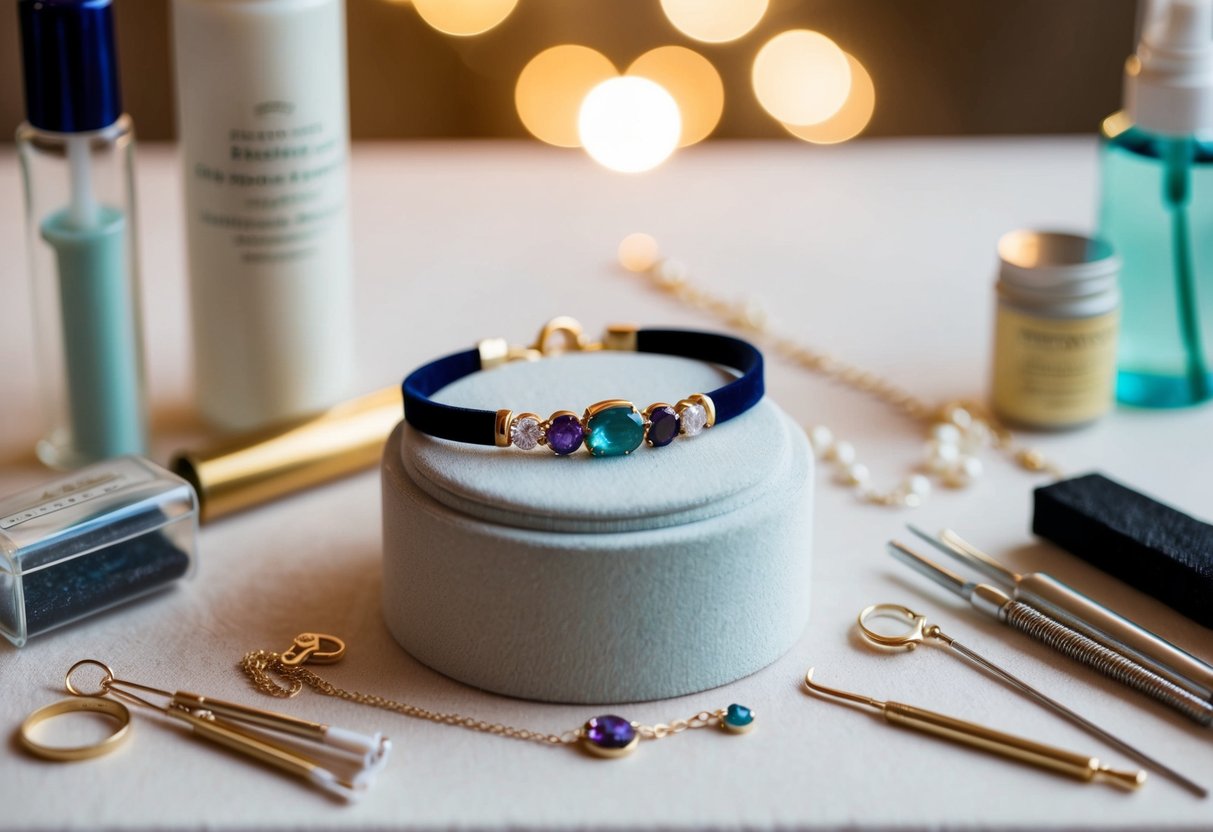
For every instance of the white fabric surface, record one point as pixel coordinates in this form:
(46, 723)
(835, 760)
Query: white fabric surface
(881, 251)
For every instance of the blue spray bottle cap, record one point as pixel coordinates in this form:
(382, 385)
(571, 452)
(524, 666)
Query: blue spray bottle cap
(71, 67)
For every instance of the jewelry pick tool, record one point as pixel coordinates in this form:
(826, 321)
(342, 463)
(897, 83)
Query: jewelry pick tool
(1077, 611)
(1037, 754)
(919, 632)
(1042, 627)
(225, 723)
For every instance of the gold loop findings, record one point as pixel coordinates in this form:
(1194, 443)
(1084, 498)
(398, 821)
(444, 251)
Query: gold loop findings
(92, 704)
(102, 689)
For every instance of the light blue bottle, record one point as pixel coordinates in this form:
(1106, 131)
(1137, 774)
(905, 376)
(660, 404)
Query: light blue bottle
(76, 150)
(1157, 209)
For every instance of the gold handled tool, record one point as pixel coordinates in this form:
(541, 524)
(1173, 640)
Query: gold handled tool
(226, 724)
(1024, 750)
(913, 630)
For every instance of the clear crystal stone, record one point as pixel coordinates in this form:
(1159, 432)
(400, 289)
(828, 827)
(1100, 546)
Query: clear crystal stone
(525, 433)
(694, 419)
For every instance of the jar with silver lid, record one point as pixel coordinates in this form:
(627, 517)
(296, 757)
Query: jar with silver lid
(1055, 329)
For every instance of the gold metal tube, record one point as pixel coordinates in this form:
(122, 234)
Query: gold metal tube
(255, 747)
(244, 471)
(1007, 745)
(257, 716)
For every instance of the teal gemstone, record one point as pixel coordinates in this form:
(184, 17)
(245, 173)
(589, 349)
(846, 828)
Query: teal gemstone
(738, 716)
(614, 431)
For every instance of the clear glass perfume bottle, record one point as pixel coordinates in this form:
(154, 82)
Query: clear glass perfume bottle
(1157, 208)
(76, 150)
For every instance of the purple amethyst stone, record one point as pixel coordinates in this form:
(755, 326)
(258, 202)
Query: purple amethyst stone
(663, 426)
(565, 434)
(609, 733)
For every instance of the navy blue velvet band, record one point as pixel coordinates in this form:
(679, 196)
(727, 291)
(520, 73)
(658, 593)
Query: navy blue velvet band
(738, 395)
(462, 424)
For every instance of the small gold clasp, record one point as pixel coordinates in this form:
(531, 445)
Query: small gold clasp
(574, 339)
(314, 648)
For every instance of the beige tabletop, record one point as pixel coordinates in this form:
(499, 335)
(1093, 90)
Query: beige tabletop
(882, 252)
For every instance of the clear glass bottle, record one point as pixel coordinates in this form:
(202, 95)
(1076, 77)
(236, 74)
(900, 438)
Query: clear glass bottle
(1157, 209)
(76, 152)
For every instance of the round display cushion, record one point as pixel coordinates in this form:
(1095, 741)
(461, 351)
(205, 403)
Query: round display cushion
(579, 579)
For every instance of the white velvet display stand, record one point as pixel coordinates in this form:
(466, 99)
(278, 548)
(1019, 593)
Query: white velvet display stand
(581, 579)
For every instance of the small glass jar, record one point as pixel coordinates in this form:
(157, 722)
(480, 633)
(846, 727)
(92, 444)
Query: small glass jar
(105, 534)
(1055, 330)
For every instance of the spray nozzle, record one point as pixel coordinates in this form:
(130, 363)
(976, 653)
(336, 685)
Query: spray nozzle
(1169, 82)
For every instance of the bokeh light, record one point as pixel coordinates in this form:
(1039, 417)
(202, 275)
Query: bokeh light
(464, 17)
(694, 83)
(714, 21)
(629, 124)
(638, 252)
(848, 122)
(801, 77)
(552, 87)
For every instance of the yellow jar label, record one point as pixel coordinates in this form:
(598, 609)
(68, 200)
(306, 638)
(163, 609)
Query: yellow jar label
(1053, 372)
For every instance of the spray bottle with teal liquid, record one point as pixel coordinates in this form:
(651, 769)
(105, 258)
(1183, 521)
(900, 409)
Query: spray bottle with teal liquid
(1157, 208)
(76, 150)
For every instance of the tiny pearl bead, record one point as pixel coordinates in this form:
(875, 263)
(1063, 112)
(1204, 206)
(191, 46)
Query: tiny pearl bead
(946, 434)
(857, 473)
(963, 473)
(638, 252)
(918, 485)
(821, 438)
(960, 417)
(941, 457)
(978, 436)
(842, 452)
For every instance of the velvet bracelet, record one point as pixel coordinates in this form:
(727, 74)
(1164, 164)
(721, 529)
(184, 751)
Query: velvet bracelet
(613, 427)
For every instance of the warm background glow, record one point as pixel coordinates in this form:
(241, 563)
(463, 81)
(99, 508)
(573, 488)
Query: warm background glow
(714, 21)
(801, 77)
(1026, 72)
(629, 124)
(848, 122)
(552, 87)
(694, 83)
(464, 17)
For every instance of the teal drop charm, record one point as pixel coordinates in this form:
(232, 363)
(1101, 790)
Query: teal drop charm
(737, 719)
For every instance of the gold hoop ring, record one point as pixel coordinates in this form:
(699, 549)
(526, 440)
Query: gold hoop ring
(80, 752)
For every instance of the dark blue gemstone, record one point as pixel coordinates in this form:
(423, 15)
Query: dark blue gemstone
(663, 426)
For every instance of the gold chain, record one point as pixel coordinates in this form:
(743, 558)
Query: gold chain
(258, 665)
(638, 253)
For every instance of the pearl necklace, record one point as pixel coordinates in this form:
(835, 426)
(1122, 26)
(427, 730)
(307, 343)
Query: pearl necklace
(957, 432)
